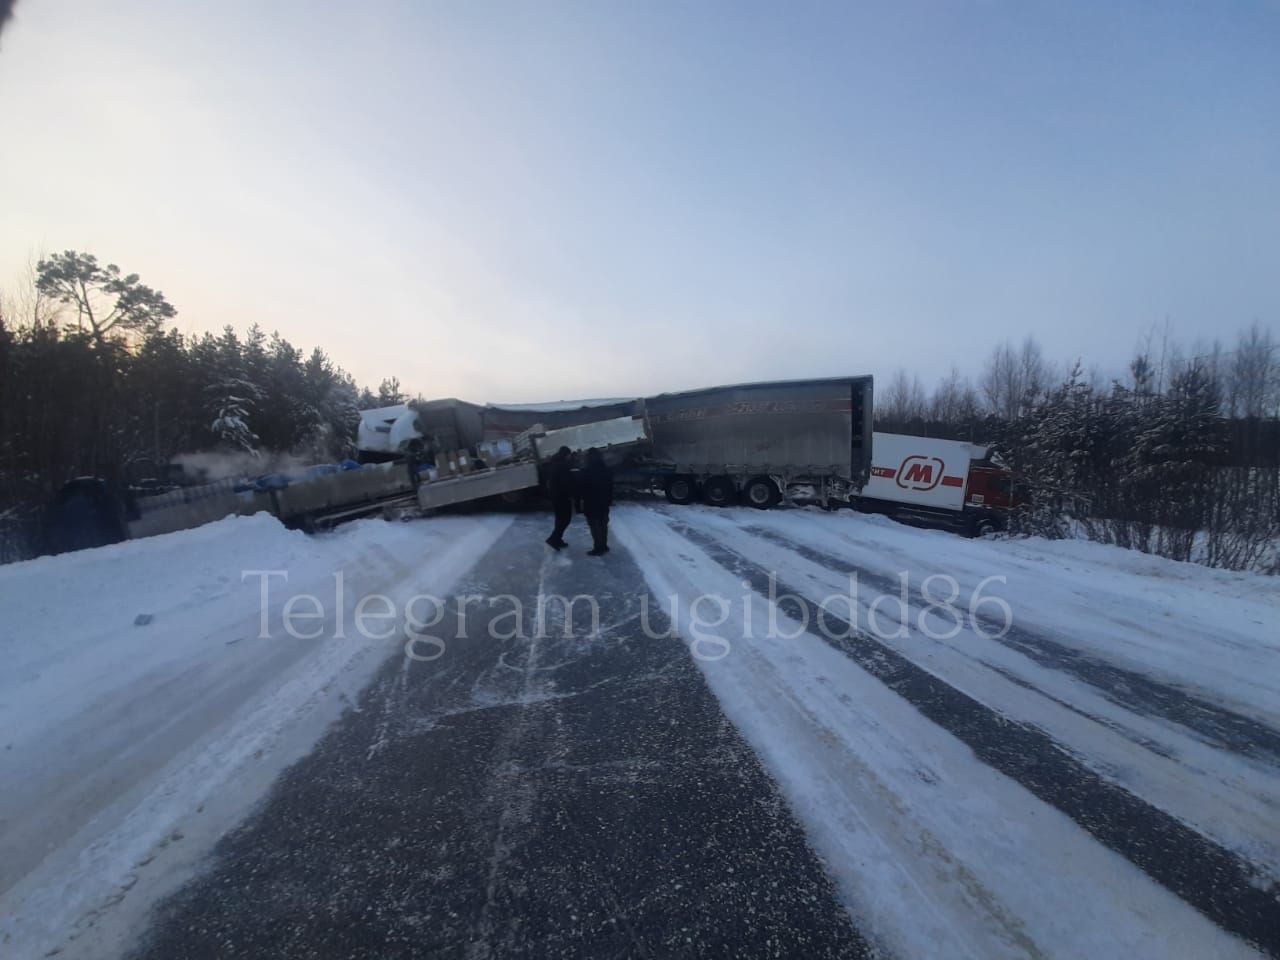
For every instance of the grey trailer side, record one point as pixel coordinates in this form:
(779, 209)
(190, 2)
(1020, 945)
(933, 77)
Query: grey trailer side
(327, 499)
(188, 507)
(468, 487)
(763, 441)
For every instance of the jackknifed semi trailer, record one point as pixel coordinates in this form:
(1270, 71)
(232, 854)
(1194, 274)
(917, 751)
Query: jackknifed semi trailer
(754, 443)
(759, 443)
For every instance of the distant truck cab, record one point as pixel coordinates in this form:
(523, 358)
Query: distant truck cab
(383, 432)
(937, 483)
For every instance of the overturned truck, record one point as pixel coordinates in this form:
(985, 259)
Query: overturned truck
(756, 443)
(432, 474)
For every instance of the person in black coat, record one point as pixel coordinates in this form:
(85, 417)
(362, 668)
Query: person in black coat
(560, 486)
(596, 493)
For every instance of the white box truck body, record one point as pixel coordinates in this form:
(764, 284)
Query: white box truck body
(935, 482)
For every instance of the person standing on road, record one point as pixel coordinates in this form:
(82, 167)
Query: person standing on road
(597, 496)
(560, 486)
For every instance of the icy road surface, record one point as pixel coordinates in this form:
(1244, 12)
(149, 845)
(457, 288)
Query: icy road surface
(1047, 750)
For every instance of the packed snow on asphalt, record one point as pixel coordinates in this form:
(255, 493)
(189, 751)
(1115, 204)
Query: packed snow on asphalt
(780, 733)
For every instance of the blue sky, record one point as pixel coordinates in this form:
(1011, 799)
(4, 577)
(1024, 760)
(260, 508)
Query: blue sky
(537, 201)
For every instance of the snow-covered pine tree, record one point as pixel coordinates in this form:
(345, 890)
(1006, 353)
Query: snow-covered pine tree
(232, 403)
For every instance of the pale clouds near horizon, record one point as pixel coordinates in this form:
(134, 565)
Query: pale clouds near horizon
(594, 199)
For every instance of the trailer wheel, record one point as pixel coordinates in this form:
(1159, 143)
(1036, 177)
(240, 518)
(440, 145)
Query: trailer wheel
(719, 491)
(761, 493)
(681, 489)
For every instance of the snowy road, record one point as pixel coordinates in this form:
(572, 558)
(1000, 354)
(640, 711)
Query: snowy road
(1047, 750)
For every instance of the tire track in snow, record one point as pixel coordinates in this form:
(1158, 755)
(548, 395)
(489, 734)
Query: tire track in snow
(1226, 797)
(1216, 725)
(1204, 874)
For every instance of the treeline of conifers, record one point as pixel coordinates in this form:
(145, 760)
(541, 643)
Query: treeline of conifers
(94, 381)
(1178, 457)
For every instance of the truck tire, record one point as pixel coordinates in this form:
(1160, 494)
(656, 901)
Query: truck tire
(681, 489)
(985, 526)
(761, 493)
(719, 491)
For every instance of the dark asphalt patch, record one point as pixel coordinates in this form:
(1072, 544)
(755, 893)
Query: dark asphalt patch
(561, 797)
(1212, 723)
(1204, 874)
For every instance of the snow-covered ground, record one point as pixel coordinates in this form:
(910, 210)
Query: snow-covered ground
(142, 713)
(932, 845)
(141, 705)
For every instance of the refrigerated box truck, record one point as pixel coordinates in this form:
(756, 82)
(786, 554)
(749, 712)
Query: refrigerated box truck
(938, 483)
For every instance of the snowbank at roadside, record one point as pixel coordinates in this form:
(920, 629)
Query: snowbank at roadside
(1205, 629)
(1233, 582)
(57, 608)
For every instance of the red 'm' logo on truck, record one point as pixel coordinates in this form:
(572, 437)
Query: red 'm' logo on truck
(919, 473)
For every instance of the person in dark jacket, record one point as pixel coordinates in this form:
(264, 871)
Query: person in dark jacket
(560, 486)
(596, 493)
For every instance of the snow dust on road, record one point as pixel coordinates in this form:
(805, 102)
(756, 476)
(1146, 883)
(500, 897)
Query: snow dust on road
(1047, 750)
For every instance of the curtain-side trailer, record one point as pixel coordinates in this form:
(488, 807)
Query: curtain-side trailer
(759, 442)
(755, 442)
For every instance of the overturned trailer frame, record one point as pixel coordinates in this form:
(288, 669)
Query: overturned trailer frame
(391, 488)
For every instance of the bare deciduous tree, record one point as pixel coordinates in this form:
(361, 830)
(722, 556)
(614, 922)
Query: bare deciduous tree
(955, 400)
(1255, 374)
(1015, 377)
(902, 401)
(24, 303)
